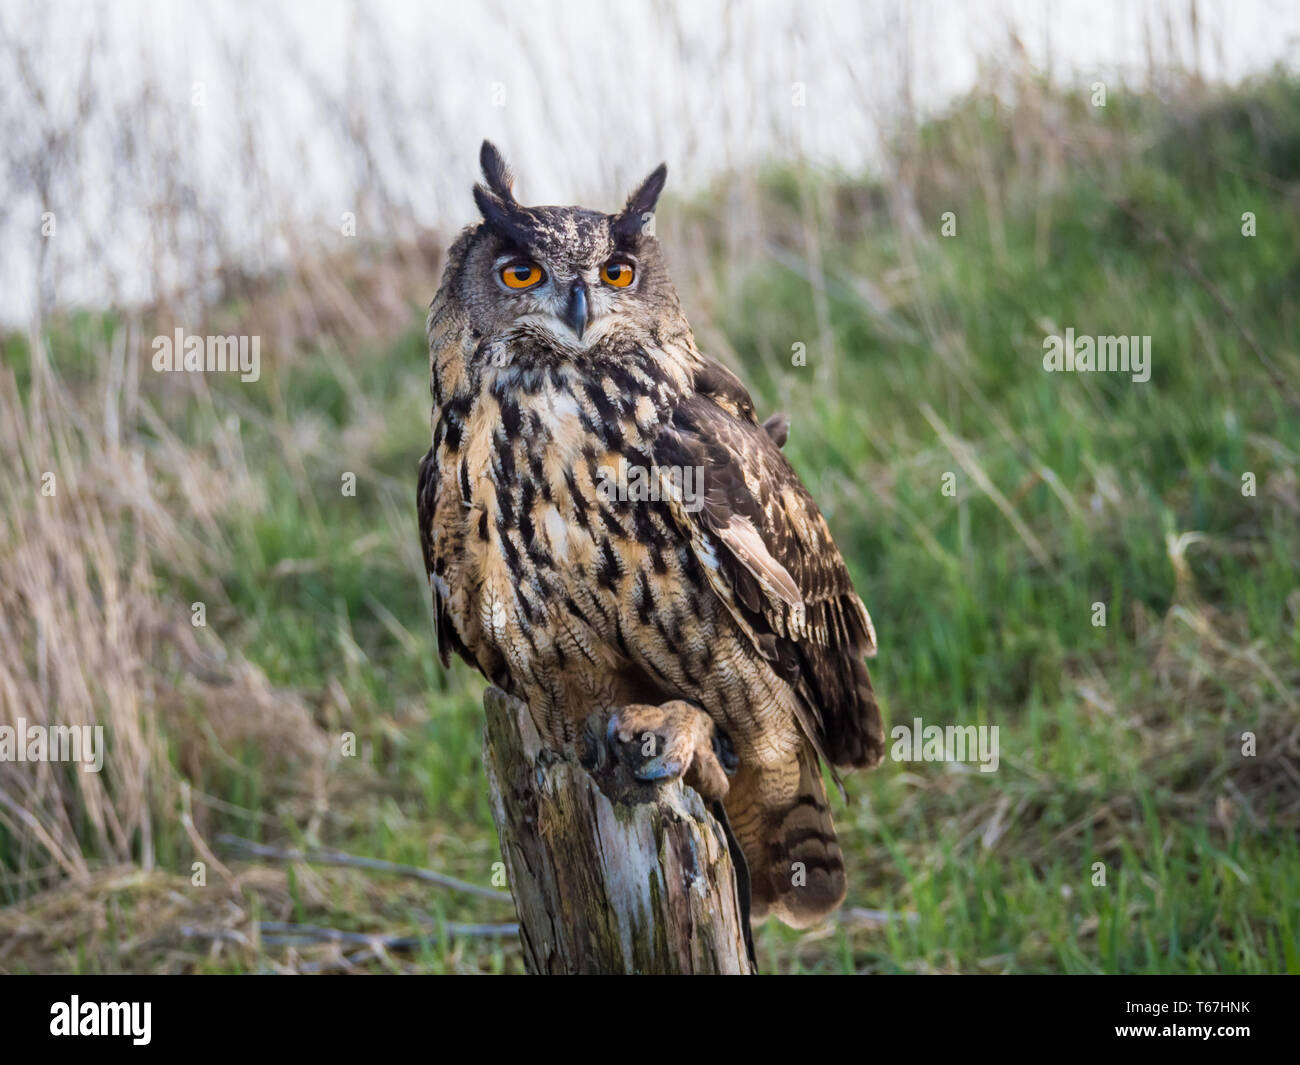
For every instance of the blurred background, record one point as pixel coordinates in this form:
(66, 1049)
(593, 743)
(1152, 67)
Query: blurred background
(291, 776)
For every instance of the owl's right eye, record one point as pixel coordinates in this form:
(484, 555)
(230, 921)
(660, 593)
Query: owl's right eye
(520, 275)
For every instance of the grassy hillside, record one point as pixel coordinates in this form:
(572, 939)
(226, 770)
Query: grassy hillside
(1120, 744)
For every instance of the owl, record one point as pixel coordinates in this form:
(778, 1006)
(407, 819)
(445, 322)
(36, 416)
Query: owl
(609, 528)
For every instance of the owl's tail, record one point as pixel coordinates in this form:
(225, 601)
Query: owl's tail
(796, 867)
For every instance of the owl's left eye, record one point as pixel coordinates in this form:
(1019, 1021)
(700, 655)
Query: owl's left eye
(617, 273)
(520, 275)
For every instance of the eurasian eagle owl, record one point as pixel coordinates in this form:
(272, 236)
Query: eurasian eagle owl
(607, 526)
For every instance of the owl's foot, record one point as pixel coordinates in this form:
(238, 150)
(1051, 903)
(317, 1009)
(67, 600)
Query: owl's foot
(676, 739)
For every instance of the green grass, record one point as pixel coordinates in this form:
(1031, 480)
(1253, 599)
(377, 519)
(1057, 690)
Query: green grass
(1120, 745)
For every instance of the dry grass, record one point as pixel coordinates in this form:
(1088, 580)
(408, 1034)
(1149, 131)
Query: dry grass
(89, 634)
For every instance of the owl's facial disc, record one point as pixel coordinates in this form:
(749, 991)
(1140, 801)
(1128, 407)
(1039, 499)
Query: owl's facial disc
(574, 302)
(568, 272)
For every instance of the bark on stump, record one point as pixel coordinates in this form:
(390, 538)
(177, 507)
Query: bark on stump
(608, 875)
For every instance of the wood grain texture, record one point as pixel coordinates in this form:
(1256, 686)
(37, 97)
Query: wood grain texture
(608, 875)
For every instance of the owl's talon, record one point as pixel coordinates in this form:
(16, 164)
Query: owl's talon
(628, 745)
(677, 739)
(592, 753)
(658, 769)
(725, 751)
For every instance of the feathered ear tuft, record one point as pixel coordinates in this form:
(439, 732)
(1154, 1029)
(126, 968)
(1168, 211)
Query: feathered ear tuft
(496, 200)
(641, 204)
(489, 205)
(505, 217)
(496, 172)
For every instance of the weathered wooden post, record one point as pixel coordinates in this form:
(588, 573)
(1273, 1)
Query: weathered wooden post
(609, 875)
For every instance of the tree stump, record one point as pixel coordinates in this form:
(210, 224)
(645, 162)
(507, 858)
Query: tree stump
(609, 875)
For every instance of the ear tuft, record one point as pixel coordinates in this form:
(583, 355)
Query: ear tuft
(494, 212)
(642, 202)
(496, 172)
(506, 217)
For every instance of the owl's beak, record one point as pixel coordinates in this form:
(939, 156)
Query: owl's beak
(575, 312)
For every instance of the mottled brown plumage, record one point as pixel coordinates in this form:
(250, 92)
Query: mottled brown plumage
(723, 593)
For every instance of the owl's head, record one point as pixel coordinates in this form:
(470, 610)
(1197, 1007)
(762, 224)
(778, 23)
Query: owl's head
(570, 276)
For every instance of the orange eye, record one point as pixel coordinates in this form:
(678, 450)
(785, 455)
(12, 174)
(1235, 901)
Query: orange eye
(617, 274)
(521, 275)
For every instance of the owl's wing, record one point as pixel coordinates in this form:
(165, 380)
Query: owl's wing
(426, 500)
(771, 559)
